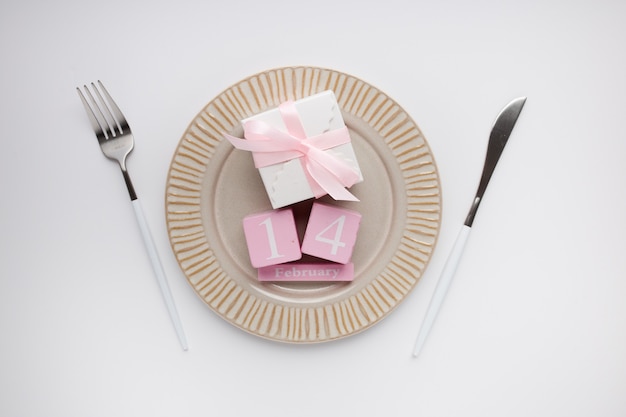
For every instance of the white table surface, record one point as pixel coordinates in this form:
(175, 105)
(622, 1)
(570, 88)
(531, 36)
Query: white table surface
(534, 324)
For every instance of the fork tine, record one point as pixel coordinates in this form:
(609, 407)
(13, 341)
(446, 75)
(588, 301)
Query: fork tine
(101, 132)
(117, 114)
(100, 116)
(104, 107)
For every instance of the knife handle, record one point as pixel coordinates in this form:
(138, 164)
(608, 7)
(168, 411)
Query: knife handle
(442, 287)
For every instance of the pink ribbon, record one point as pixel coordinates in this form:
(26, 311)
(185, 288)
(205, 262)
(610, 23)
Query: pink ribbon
(326, 173)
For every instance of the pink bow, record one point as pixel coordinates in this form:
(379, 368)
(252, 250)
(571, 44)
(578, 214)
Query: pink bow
(326, 173)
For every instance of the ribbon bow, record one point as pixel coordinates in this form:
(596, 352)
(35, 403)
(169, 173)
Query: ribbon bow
(326, 173)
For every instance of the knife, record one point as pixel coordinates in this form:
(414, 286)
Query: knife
(500, 133)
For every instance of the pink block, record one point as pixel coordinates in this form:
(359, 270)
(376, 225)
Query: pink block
(272, 238)
(307, 272)
(331, 233)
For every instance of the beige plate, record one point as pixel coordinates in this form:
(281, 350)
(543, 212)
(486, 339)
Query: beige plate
(211, 187)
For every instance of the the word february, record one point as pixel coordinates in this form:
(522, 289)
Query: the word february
(307, 272)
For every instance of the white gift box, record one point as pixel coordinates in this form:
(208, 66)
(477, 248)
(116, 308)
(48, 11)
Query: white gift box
(286, 182)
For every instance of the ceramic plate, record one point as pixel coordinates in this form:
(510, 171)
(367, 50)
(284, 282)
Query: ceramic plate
(211, 187)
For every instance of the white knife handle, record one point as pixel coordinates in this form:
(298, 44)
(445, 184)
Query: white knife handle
(158, 271)
(442, 287)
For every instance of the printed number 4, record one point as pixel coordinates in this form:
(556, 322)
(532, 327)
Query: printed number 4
(335, 242)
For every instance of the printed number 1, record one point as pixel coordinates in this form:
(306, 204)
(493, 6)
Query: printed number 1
(271, 238)
(335, 242)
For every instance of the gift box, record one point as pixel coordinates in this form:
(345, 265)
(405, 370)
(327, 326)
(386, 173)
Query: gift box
(302, 150)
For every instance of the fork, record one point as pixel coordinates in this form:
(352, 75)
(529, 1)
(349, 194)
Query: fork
(116, 141)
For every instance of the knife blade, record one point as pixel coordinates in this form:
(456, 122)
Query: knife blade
(500, 133)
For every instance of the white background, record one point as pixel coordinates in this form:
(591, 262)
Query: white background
(535, 321)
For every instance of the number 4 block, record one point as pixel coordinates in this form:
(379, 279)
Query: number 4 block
(331, 233)
(272, 238)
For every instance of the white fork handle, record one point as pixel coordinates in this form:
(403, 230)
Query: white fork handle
(442, 287)
(158, 271)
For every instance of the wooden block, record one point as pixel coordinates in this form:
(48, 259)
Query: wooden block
(271, 237)
(331, 233)
(307, 272)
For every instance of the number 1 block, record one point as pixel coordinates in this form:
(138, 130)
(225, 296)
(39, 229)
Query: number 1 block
(272, 238)
(331, 233)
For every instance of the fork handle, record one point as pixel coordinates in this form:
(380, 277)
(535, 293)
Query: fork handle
(129, 184)
(158, 271)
